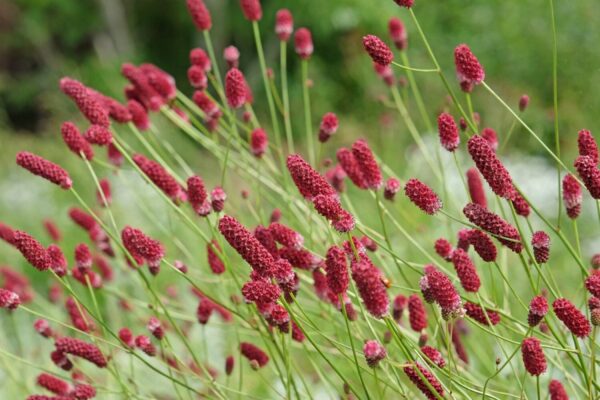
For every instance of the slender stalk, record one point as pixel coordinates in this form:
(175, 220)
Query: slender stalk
(307, 114)
(285, 96)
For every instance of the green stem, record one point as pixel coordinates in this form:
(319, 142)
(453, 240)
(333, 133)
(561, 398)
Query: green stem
(286, 98)
(307, 114)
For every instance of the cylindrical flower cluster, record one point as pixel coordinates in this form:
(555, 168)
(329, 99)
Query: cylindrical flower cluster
(573, 319)
(422, 196)
(533, 356)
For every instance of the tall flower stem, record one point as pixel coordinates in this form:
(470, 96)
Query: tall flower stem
(350, 338)
(307, 114)
(285, 95)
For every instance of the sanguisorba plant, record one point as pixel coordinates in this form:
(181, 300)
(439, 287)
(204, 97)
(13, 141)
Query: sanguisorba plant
(299, 294)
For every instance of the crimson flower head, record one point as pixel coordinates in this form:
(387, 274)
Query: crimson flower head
(75, 142)
(533, 356)
(337, 270)
(587, 145)
(214, 262)
(44, 168)
(398, 33)
(235, 88)
(592, 283)
(200, 14)
(197, 196)
(9, 299)
(439, 288)
(98, 134)
(572, 196)
(540, 242)
(483, 244)
(416, 313)
(284, 24)
(197, 77)
(286, 235)
(144, 343)
(573, 319)
(538, 308)
(422, 196)
(588, 171)
(87, 103)
(247, 246)
(507, 234)
(405, 3)
(374, 352)
(114, 155)
(254, 354)
(468, 69)
(329, 126)
(378, 50)
(398, 306)
(303, 43)
(209, 108)
(411, 369)
(59, 262)
(448, 131)
(350, 165)
(491, 167)
(138, 244)
(79, 348)
(476, 190)
(308, 181)
(523, 102)
(392, 186)
(385, 73)
(484, 317)
(368, 166)
(54, 384)
(32, 250)
(557, 391)
(231, 54)
(259, 142)
(83, 256)
(370, 286)
(199, 57)
(155, 327)
(160, 177)
(126, 337)
(329, 206)
(491, 136)
(444, 249)
(139, 116)
(251, 9)
(84, 392)
(466, 271)
(217, 198)
(52, 230)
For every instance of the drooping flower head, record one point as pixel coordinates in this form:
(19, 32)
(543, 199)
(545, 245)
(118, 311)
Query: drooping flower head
(9, 299)
(54, 384)
(308, 181)
(284, 24)
(197, 77)
(592, 283)
(441, 290)
(533, 356)
(378, 50)
(484, 317)
(491, 167)
(422, 196)
(254, 354)
(100, 135)
(44, 168)
(303, 43)
(507, 234)
(217, 198)
(573, 319)
(329, 126)
(79, 348)
(434, 356)
(87, 103)
(75, 141)
(32, 250)
(160, 177)
(468, 69)
(572, 196)
(199, 57)
(367, 163)
(466, 271)
(483, 245)
(139, 244)
(372, 291)
(476, 190)
(197, 196)
(416, 313)
(444, 249)
(411, 370)
(350, 165)
(540, 241)
(448, 131)
(374, 352)
(538, 308)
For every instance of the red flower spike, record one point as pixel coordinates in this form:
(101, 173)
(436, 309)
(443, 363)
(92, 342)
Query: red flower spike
(368, 165)
(145, 92)
(80, 319)
(235, 88)
(483, 245)
(448, 131)
(416, 313)
(464, 237)
(422, 196)
(104, 193)
(210, 108)
(466, 271)
(197, 195)
(83, 256)
(284, 24)
(573, 319)
(42, 327)
(337, 270)
(285, 235)
(231, 54)
(251, 9)
(329, 126)
(491, 167)
(492, 138)
(137, 243)
(60, 360)
(52, 230)
(587, 145)
(538, 308)
(97, 134)
(7, 233)
(84, 392)
(592, 283)
(261, 292)
(44, 168)
(507, 234)
(248, 247)
(476, 190)
(370, 286)
(405, 3)
(533, 356)
(197, 77)
(303, 43)
(259, 142)
(308, 181)
(79, 348)
(155, 328)
(217, 198)
(87, 103)
(434, 356)
(254, 353)
(468, 69)
(32, 250)
(9, 299)
(143, 343)
(520, 205)
(478, 314)
(139, 116)
(593, 303)
(399, 304)
(523, 102)
(75, 141)
(540, 242)
(160, 177)
(411, 370)
(590, 175)
(126, 337)
(351, 167)
(444, 249)
(572, 196)
(557, 391)
(335, 176)
(229, 363)
(392, 186)
(200, 14)
(214, 262)
(114, 155)
(378, 50)
(441, 290)
(374, 352)
(53, 384)
(461, 352)
(398, 33)
(199, 57)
